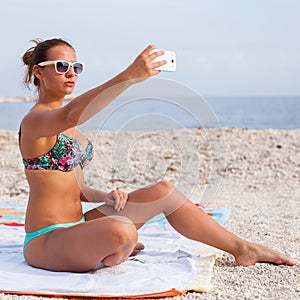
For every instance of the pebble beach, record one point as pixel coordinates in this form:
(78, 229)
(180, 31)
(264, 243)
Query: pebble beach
(254, 172)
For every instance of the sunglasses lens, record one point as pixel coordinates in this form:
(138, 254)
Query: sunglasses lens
(62, 66)
(78, 68)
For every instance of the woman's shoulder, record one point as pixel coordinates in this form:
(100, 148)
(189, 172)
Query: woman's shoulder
(33, 114)
(32, 124)
(30, 121)
(44, 122)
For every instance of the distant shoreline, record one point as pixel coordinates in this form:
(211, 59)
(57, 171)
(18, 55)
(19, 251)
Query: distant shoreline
(19, 99)
(253, 113)
(16, 99)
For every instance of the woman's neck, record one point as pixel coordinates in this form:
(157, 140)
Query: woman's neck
(50, 100)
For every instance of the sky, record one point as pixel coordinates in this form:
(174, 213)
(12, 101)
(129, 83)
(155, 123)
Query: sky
(223, 47)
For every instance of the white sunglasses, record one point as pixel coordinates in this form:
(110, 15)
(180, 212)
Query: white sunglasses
(62, 67)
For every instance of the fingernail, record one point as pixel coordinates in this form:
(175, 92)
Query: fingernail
(143, 247)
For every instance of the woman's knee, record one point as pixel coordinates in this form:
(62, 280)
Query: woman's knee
(123, 240)
(164, 187)
(171, 198)
(124, 233)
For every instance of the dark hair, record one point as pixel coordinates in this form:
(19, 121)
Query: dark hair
(38, 54)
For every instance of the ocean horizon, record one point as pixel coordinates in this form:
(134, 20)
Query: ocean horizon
(261, 112)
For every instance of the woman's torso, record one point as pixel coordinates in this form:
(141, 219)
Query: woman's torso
(54, 195)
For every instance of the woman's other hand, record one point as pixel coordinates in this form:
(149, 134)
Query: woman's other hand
(117, 199)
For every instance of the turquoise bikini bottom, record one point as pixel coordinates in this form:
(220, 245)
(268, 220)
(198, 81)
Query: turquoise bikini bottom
(34, 234)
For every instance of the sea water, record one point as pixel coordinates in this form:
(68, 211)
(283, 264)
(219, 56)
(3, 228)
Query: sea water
(155, 114)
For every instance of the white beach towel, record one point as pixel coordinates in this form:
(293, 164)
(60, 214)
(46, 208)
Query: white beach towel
(169, 265)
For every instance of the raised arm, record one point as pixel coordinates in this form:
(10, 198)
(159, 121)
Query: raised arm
(85, 106)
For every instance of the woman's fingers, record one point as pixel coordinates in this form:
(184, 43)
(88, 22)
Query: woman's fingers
(145, 64)
(120, 199)
(151, 55)
(155, 61)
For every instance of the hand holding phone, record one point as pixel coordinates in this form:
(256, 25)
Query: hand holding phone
(170, 57)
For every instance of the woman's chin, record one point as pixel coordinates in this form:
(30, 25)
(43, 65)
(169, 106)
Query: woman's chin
(69, 90)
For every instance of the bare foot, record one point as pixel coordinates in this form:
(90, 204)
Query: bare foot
(249, 254)
(138, 248)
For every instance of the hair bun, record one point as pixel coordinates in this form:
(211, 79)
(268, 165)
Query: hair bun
(27, 57)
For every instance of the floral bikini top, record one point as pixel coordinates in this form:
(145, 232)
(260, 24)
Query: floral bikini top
(64, 156)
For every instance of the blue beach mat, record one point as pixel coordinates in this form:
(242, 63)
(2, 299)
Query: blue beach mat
(14, 215)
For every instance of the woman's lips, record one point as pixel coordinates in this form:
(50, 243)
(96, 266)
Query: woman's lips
(70, 83)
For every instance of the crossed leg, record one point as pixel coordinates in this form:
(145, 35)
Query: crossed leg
(82, 247)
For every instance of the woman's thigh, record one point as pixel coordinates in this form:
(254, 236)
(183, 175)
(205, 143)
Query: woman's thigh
(82, 247)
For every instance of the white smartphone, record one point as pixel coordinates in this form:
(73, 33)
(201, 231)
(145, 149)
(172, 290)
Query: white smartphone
(170, 57)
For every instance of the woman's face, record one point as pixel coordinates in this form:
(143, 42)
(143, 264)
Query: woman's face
(54, 83)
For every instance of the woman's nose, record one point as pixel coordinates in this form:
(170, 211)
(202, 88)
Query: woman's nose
(70, 72)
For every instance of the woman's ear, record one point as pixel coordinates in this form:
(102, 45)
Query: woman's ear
(37, 72)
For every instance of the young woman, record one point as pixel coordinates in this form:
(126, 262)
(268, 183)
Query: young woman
(58, 236)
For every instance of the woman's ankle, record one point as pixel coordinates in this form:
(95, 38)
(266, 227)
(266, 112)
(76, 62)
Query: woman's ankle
(244, 253)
